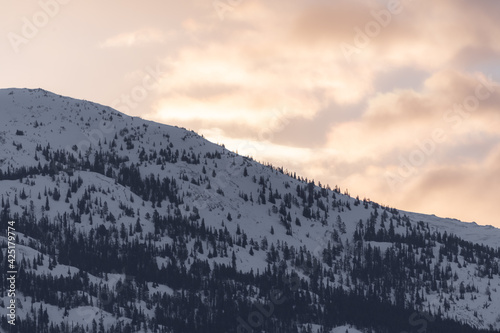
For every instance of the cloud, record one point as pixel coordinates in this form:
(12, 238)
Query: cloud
(451, 101)
(470, 190)
(243, 68)
(135, 38)
(422, 34)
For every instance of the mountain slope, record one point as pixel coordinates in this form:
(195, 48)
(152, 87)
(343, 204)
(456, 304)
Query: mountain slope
(129, 225)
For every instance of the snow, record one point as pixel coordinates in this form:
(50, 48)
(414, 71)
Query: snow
(470, 231)
(344, 329)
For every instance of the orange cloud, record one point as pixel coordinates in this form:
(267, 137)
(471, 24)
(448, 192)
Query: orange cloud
(143, 36)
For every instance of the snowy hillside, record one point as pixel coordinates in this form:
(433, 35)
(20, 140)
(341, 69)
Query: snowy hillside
(126, 225)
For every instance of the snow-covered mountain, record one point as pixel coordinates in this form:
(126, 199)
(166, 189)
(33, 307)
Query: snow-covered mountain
(126, 225)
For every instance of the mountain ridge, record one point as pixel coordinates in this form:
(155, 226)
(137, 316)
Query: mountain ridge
(102, 129)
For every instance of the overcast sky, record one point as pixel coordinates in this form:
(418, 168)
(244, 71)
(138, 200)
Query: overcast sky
(398, 101)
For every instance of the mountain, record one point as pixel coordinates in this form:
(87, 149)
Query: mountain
(126, 225)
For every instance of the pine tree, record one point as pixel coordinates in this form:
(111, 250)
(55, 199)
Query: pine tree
(138, 227)
(233, 260)
(56, 194)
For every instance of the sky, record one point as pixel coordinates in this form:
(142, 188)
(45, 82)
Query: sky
(397, 101)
